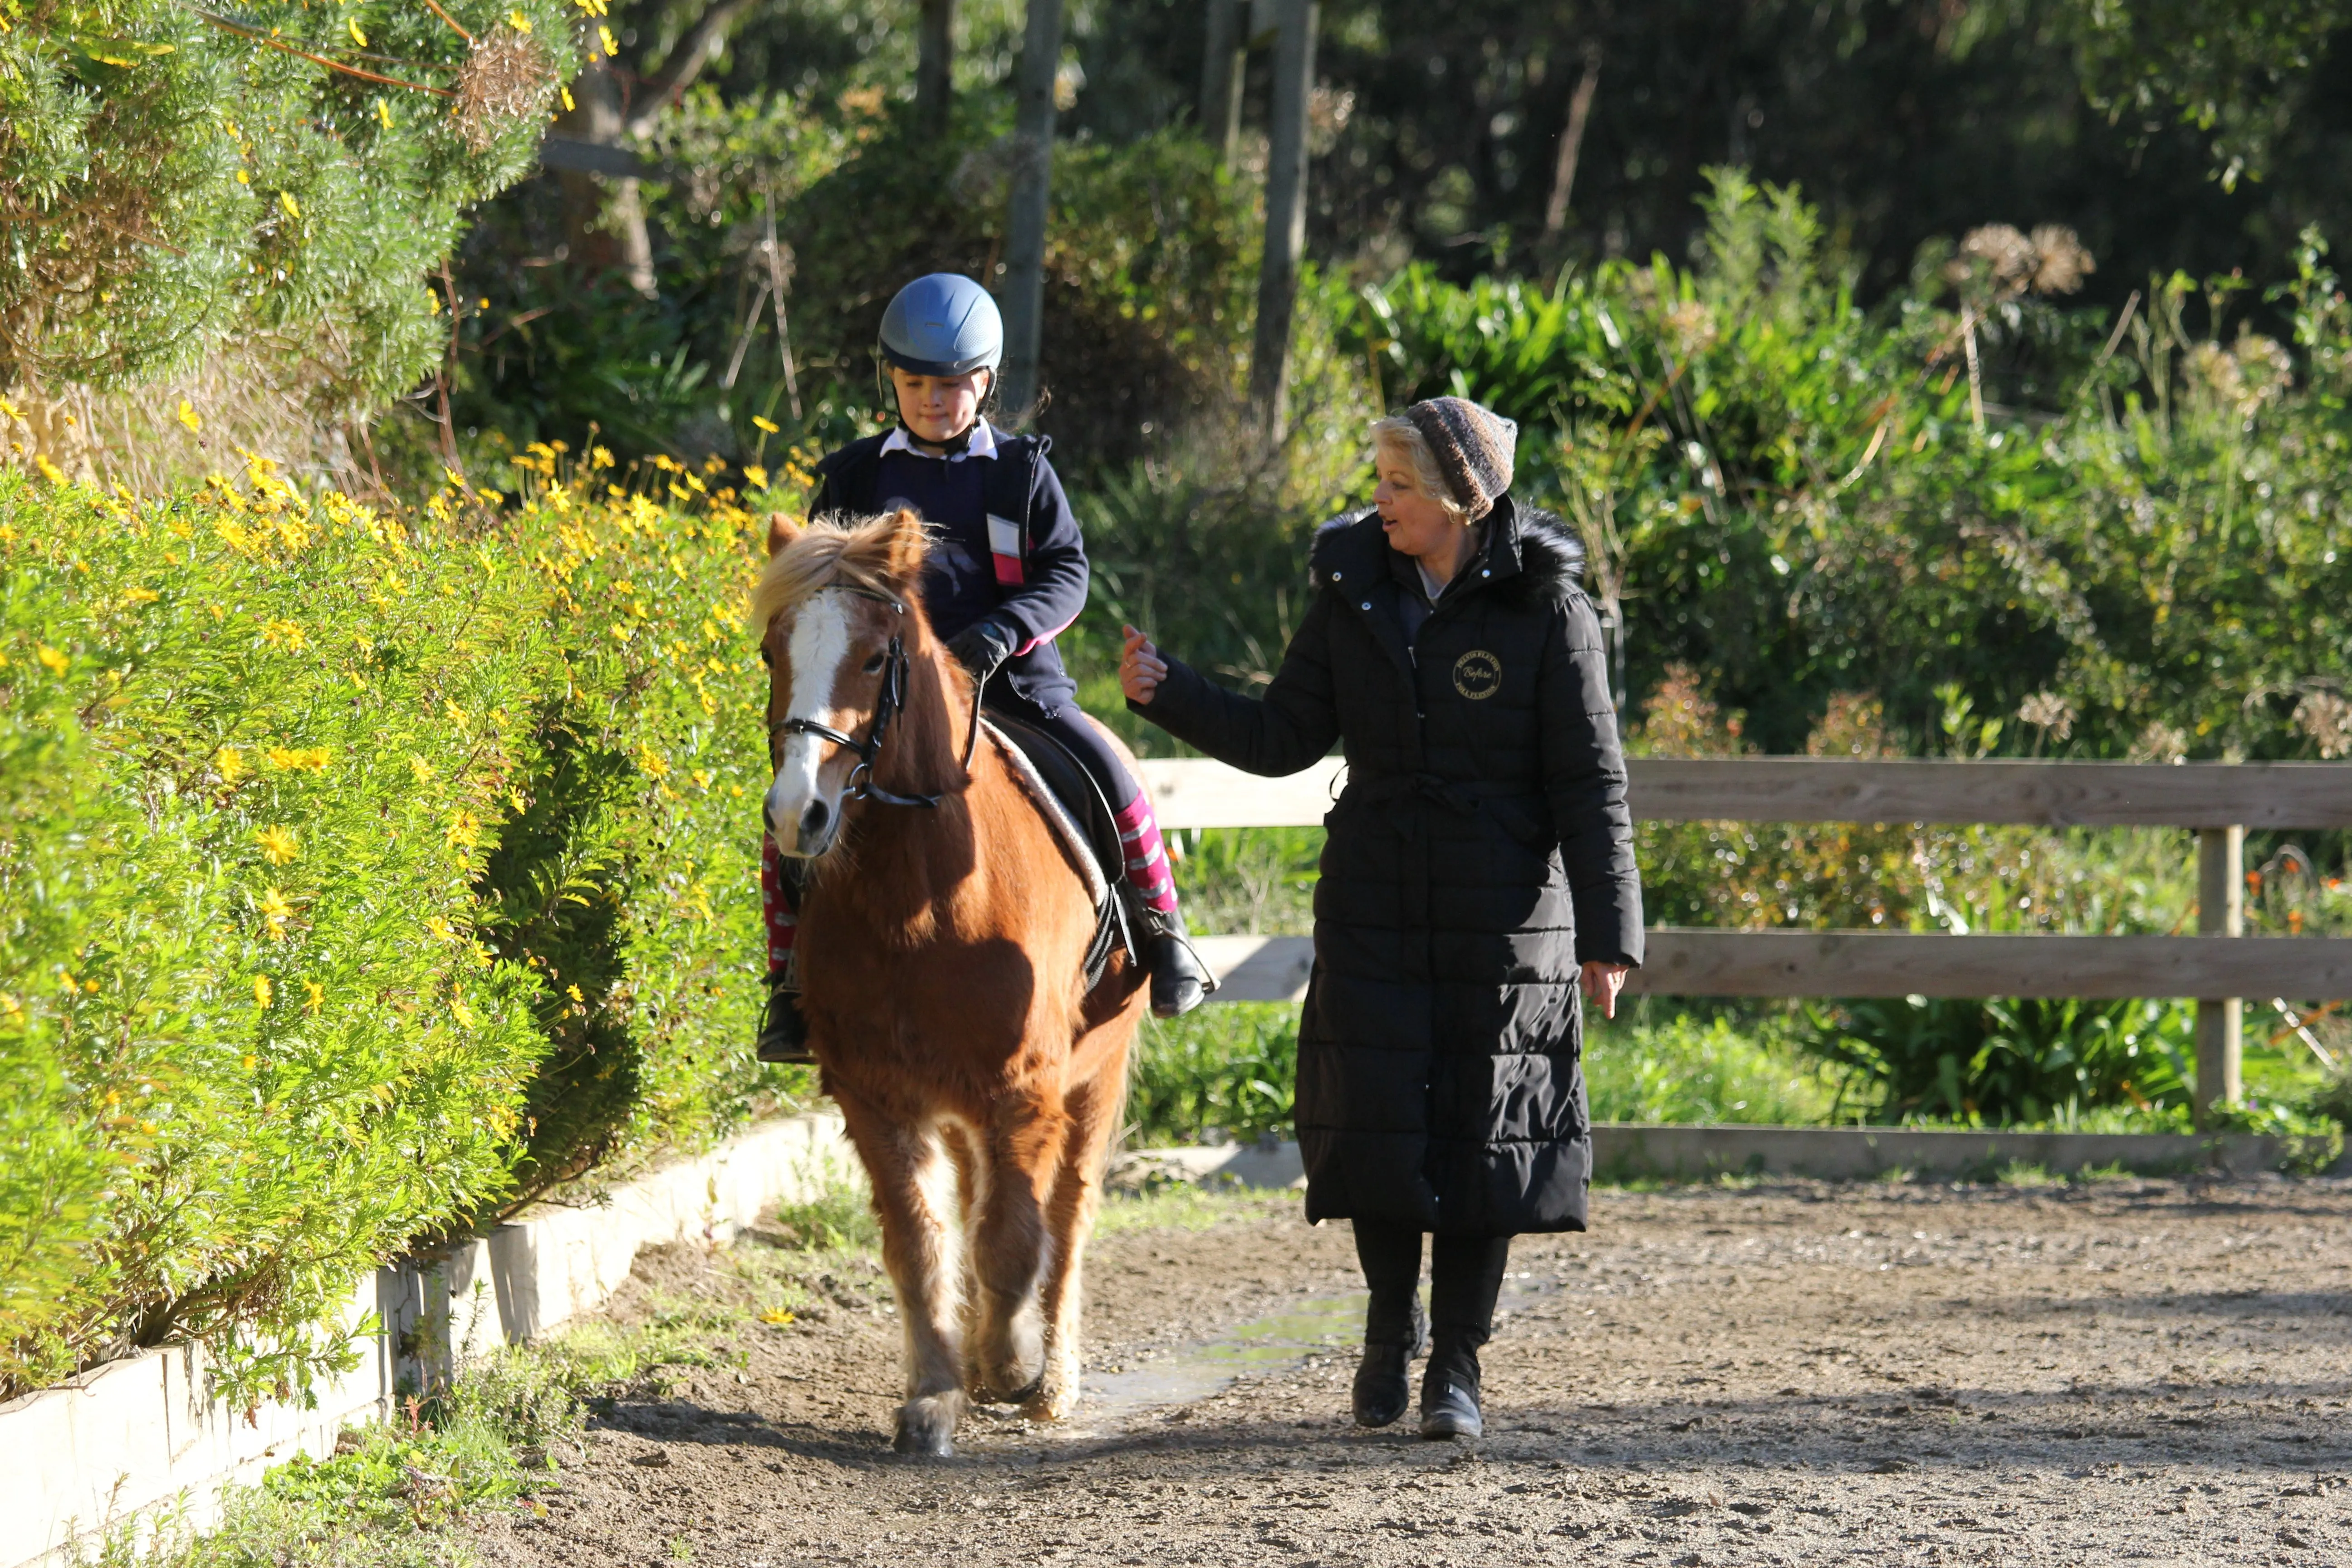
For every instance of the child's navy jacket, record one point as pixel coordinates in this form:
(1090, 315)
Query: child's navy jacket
(1007, 542)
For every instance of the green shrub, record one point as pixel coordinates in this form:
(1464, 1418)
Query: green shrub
(1228, 1071)
(240, 930)
(1689, 1069)
(631, 875)
(1995, 1063)
(361, 880)
(173, 181)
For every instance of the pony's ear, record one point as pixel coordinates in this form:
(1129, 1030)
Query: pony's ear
(781, 531)
(907, 543)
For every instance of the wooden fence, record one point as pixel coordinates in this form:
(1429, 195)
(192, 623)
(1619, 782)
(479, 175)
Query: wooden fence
(2219, 800)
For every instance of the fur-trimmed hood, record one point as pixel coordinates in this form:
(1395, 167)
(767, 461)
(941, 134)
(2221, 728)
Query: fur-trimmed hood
(1533, 555)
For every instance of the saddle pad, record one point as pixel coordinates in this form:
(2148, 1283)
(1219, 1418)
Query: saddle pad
(1065, 826)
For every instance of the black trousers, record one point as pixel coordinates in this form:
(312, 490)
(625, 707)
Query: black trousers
(1466, 1276)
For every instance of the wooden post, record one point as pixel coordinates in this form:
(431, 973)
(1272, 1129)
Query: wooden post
(2220, 912)
(1225, 56)
(1023, 297)
(1286, 213)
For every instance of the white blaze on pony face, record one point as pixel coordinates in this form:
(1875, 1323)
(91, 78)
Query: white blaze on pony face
(804, 801)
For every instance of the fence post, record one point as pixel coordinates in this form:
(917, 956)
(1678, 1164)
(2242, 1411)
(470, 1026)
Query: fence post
(2220, 912)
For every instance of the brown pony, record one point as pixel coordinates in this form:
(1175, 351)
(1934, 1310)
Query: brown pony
(941, 950)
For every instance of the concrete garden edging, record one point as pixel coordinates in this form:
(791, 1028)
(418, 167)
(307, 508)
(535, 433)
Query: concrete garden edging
(1623, 1150)
(140, 1442)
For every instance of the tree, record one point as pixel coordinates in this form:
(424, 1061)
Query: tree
(1286, 212)
(1023, 298)
(172, 179)
(935, 65)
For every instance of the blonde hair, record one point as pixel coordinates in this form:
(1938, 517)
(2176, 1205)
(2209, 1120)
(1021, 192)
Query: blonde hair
(1399, 435)
(873, 555)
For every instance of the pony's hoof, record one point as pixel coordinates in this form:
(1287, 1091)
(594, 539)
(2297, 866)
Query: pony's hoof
(1054, 1397)
(926, 1429)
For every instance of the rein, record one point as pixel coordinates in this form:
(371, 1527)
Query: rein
(894, 697)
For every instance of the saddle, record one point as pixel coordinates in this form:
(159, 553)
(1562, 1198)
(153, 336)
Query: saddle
(1074, 804)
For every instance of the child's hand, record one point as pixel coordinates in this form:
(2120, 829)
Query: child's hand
(1140, 668)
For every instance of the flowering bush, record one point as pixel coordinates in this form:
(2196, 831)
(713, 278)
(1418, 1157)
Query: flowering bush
(258, 749)
(360, 879)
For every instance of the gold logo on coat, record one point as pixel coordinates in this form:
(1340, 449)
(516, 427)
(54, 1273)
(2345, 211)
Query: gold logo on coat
(1477, 675)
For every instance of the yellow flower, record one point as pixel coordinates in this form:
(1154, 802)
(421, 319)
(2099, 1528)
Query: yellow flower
(243, 178)
(134, 595)
(251, 1062)
(384, 113)
(283, 634)
(229, 762)
(600, 458)
(352, 23)
(769, 425)
(464, 1015)
(565, 93)
(57, 663)
(756, 474)
(440, 930)
(517, 21)
(261, 991)
(654, 764)
(573, 991)
(188, 415)
(318, 996)
(457, 714)
(300, 759)
(464, 830)
(279, 845)
(275, 912)
(286, 200)
(777, 1316)
(422, 768)
(49, 470)
(604, 37)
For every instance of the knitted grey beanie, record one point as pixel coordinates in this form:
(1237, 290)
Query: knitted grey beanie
(1473, 446)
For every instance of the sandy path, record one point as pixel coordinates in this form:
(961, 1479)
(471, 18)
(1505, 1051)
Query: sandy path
(2131, 1372)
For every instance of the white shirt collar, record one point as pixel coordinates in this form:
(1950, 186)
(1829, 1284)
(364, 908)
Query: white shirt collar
(981, 444)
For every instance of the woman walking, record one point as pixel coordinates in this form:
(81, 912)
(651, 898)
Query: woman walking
(1479, 867)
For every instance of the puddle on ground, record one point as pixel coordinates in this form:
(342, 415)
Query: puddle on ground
(1273, 1343)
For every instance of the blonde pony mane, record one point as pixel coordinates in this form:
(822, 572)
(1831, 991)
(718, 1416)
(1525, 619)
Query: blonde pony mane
(869, 555)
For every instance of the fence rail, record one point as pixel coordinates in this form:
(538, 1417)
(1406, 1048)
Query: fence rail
(1192, 792)
(2219, 800)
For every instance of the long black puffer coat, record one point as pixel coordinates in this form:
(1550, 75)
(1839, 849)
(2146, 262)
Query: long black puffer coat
(1480, 853)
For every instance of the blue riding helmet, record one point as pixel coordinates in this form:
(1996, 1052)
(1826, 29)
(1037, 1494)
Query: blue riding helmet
(943, 324)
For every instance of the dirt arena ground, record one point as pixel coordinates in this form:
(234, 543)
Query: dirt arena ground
(2125, 1371)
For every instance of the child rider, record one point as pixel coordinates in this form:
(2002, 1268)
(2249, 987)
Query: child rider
(1006, 574)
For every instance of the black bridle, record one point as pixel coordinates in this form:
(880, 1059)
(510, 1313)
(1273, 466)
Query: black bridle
(894, 697)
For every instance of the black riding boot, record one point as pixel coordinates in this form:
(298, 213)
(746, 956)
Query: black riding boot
(784, 1029)
(1395, 1328)
(1466, 1276)
(1180, 982)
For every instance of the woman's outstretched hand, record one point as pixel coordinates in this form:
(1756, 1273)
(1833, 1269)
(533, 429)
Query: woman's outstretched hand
(1140, 668)
(1601, 981)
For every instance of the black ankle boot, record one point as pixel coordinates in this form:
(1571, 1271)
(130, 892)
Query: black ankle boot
(1384, 1377)
(1383, 1385)
(784, 1029)
(1449, 1393)
(1180, 982)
